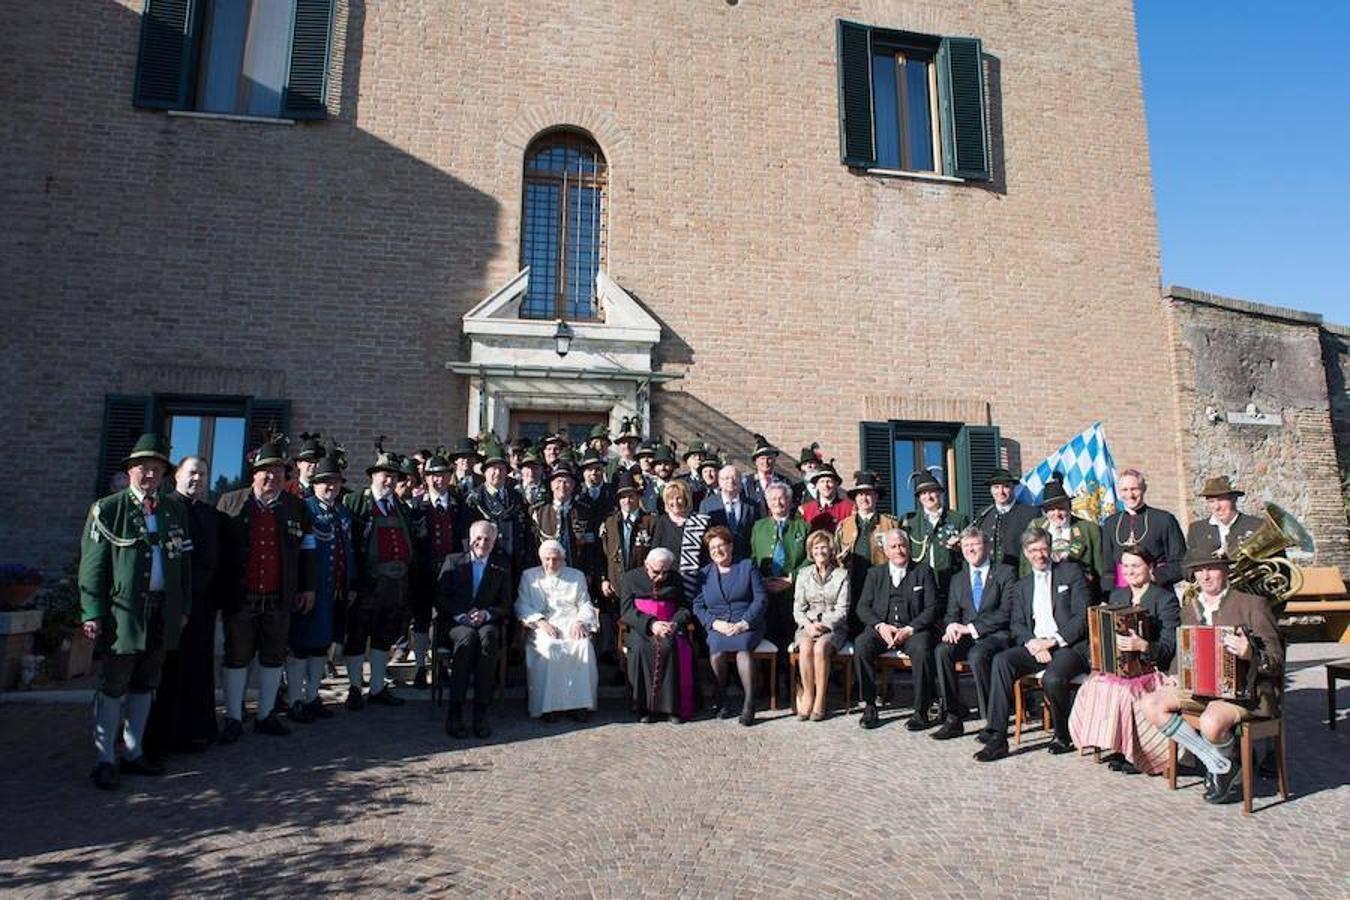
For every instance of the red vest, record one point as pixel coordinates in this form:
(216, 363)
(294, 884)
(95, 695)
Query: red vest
(392, 546)
(264, 552)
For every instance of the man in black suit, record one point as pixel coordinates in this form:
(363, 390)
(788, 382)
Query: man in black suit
(1005, 519)
(899, 610)
(976, 629)
(729, 507)
(1049, 631)
(473, 601)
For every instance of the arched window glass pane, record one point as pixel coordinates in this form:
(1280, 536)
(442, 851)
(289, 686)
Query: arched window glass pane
(563, 226)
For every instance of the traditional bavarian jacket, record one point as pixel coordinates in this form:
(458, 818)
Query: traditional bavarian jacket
(507, 510)
(116, 557)
(1205, 533)
(870, 552)
(1083, 545)
(382, 539)
(579, 543)
(928, 542)
(335, 573)
(292, 537)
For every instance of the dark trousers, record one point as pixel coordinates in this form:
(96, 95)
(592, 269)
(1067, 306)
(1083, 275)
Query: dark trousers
(1010, 665)
(262, 625)
(919, 647)
(137, 673)
(379, 614)
(473, 653)
(980, 655)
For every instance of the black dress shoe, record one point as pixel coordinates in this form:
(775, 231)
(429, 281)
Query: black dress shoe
(985, 735)
(548, 718)
(141, 765)
(997, 748)
(318, 710)
(919, 722)
(233, 730)
(1226, 787)
(271, 725)
(1059, 747)
(454, 725)
(300, 713)
(354, 699)
(386, 697)
(747, 716)
(1128, 767)
(870, 719)
(645, 718)
(420, 682)
(725, 711)
(481, 728)
(951, 728)
(581, 715)
(105, 776)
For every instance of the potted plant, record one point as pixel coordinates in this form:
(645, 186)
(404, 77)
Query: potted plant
(69, 653)
(18, 584)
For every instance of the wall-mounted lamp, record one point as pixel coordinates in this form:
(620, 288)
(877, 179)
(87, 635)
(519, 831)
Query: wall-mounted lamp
(562, 338)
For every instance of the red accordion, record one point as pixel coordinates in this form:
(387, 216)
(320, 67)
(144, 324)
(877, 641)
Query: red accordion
(1104, 623)
(1205, 668)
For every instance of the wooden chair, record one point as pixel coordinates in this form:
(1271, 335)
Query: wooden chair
(621, 650)
(1335, 670)
(1022, 689)
(898, 660)
(1250, 733)
(841, 658)
(766, 654)
(440, 658)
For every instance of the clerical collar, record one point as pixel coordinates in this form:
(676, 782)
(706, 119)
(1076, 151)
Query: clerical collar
(184, 497)
(1137, 511)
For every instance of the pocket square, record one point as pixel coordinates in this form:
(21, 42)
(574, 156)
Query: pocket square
(918, 587)
(1061, 588)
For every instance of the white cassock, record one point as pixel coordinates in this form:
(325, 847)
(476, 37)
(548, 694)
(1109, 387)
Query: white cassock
(562, 672)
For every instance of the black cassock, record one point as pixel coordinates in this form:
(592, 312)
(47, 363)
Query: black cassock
(1157, 531)
(183, 717)
(653, 691)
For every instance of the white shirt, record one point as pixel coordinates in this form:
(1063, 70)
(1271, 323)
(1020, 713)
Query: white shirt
(1206, 610)
(897, 573)
(1043, 609)
(732, 505)
(932, 517)
(1003, 510)
(156, 553)
(1223, 529)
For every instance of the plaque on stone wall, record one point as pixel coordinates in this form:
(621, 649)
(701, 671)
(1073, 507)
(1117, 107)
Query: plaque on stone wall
(1253, 416)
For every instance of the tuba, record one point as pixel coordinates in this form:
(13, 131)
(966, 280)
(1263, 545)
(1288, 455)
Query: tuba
(1259, 565)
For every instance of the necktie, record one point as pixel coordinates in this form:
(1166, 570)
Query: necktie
(731, 516)
(977, 589)
(148, 505)
(779, 565)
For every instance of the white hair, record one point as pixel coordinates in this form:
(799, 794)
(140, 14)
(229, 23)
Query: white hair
(904, 535)
(728, 467)
(551, 546)
(482, 526)
(660, 554)
(778, 486)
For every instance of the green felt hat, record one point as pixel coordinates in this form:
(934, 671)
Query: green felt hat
(148, 446)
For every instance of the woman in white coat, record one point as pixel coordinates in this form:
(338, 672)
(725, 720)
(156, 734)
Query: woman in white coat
(559, 659)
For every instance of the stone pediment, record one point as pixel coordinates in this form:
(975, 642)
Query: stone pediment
(622, 319)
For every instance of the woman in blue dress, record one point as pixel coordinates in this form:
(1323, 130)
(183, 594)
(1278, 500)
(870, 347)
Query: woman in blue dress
(730, 603)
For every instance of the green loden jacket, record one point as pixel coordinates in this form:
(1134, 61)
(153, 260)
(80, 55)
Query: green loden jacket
(763, 536)
(115, 554)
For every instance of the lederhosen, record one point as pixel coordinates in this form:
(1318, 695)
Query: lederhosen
(381, 609)
(262, 622)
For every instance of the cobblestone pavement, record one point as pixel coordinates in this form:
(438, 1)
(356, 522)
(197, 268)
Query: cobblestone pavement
(380, 802)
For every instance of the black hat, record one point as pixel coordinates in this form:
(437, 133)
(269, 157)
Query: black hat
(385, 460)
(490, 453)
(825, 469)
(407, 467)
(648, 448)
(628, 430)
(1201, 557)
(625, 484)
(763, 447)
(465, 446)
(696, 447)
(272, 453)
(522, 444)
(809, 455)
(712, 460)
(591, 458)
(438, 462)
(599, 431)
(148, 446)
(330, 465)
(557, 437)
(865, 481)
(1003, 476)
(562, 469)
(310, 448)
(924, 481)
(1054, 493)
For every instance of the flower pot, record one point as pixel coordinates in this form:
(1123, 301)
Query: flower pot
(74, 658)
(14, 596)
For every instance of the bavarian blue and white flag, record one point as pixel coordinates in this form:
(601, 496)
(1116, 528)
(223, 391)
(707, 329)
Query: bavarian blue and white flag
(1089, 475)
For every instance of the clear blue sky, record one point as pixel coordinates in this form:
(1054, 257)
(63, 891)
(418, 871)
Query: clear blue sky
(1249, 130)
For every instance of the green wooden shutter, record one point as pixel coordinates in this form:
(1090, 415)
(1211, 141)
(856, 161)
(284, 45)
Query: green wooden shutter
(164, 64)
(977, 456)
(265, 418)
(125, 418)
(305, 96)
(856, 147)
(878, 455)
(965, 139)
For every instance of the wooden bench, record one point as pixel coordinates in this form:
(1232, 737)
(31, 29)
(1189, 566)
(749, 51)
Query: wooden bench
(1323, 594)
(1251, 732)
(1335, 670)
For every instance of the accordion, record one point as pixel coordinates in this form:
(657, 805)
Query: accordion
(1104, 623)
(1205, 668)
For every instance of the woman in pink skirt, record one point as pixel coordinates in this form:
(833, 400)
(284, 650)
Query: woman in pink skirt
(1105, 714)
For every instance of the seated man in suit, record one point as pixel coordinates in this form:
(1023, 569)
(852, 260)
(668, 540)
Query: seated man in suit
(473, 601)
(729, 507)
(976, 630)
(899, 611)
(1049, 632)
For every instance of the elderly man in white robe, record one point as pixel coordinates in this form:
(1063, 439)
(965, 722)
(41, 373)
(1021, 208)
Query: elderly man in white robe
(559, 660)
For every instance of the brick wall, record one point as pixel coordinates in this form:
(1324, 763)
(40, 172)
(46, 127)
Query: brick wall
(334, 259)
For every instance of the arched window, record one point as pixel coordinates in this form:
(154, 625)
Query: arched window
(563, 227)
